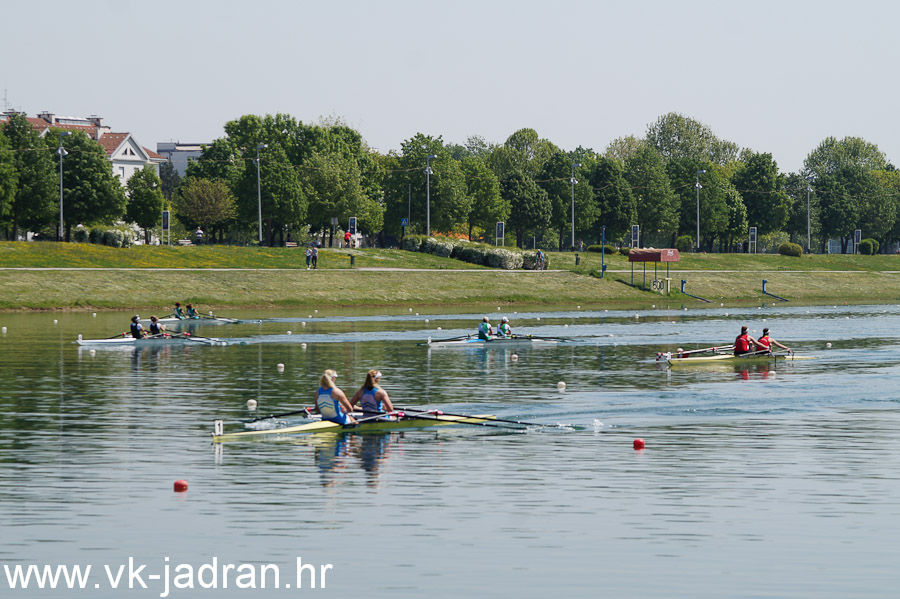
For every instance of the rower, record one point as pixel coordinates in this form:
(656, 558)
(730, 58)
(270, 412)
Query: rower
(484, 329)
(137, 329)
(156, 329)
(765, 342)
(331, 401)
(191, 312)
(743, 342)
(372, 399)
(179, 313)
(503, 330)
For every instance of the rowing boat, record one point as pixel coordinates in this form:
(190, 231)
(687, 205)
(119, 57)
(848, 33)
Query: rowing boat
(472, 341)
(129, 341)
(732, 359)
(170, 320)
(368, 426)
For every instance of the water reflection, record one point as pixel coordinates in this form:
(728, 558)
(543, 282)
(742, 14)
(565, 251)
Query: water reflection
(335, 453)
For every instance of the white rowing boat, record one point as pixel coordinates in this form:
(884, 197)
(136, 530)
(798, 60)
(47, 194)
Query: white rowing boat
(126, 340)
(171, 320)
(473, 341)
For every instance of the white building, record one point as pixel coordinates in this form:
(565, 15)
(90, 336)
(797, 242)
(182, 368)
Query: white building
(179, 154)
(125, 154)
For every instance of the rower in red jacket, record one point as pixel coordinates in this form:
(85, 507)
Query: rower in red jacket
(765, 342)
(744, 343)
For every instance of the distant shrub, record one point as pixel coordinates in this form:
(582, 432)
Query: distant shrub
(606, 249)
(113, 238)
(412, 243)
(868, 247)
(505, 259)
(684, 243)
(624, 251)
(81, 235)
(790, 249)
(96, 235)
(530, 261)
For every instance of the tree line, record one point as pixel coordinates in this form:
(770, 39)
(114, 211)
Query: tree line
(307, 175)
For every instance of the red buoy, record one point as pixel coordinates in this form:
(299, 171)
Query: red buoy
(638, 443)
(181, 486)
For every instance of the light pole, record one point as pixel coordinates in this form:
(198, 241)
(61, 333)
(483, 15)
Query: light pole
(573, 182)
(428, 172)
(699, 187)
(62, 153)
(808, 235)
(259, 189)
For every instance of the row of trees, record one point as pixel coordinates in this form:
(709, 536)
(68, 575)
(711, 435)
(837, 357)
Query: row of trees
(310, 174)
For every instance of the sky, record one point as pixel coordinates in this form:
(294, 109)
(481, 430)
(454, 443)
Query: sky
(775, 77)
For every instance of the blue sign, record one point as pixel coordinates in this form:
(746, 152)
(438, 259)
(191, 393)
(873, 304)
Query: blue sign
(352, 225)
(500, 226)
(404, 222)
(165, 220)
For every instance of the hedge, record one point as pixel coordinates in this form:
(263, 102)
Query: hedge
(790, 249)
(473, 253)
(868, 247)
(684, 243)
(606, 249)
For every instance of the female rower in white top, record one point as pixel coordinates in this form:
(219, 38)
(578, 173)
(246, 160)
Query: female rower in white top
(331, 401)
(371, 398)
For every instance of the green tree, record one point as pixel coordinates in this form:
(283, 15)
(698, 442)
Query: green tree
(280, 195)
(795, 186)
(204, 202)
(487, 205)
(677, 136)
(555, 179)
(840, 194)
(530, 208)
(879, 212)
(91, 193)
(714, 213)
(332, 185)
(145, 199)
(656, 204)
(170, 180)
(524, 151)
(762, 189)
(220, 161)
(623, 148)
(450, 204)
(9, 179)
(613, 197)
(832, 155)
(37, 189)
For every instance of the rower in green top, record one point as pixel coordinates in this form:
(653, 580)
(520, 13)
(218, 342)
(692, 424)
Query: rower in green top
(191, 312)
(178, 312)
(484, 329)
(503, 330)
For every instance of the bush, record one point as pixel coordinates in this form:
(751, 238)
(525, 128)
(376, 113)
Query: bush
(499, 258)
(624, 251)
(868, 247)
(96, 235)
(81, 235)
(684, 243)
(412, 243)
(113, 238)
(790, 249)
(606, 249)
(472, 254)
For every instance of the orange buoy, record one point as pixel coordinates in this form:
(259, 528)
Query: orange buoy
(638, 443)
(181, 486)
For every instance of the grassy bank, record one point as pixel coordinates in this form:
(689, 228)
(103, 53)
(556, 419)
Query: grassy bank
(281, 279)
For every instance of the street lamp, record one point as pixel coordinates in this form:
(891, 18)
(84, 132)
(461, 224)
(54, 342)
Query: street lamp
(808, 235)
(573, 182)
(699, 187)
(428, 172)
(62, 152)
(259, 189)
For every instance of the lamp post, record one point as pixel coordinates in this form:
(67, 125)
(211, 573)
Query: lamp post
(808, 234)
(62, 153)
(573, 182)
(428, 172)
(259, 189)
(699, 187)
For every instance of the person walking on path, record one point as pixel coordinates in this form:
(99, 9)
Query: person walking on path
(308, 257)
(315, 258)
(198, 236)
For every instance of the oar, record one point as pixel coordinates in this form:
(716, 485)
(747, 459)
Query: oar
(706, 349)
(514, 336)
(441, 413)
(294, 413)
(460, 338)
(189, 337)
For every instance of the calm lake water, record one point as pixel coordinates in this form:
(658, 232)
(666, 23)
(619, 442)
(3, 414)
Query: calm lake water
(755, 482)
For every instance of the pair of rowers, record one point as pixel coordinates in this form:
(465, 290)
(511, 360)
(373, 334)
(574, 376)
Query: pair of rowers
(745, 344)
(334, 406)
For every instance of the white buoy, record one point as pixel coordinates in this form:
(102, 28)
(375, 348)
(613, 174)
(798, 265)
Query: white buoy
(764, 319)
(514, 357)
(828, 345)
(290, 333)
(3, 330)
(579, 307)
(498, 308)
(566, 326)
(440, 328)
(417, 313)
(653, 306)
(726, 314)
(251, 404)
(410, 309)
(94, 315)
(210, 313)
(636, 316)
(538, 317)
(279, 367)
(302, 346)
(55, 321)
(721, 305)
(316, 311)
(427, 321)
(303, 324)
(92, 352)
(310, 316)
(846, 318)
(79, 336)
(561, 386)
